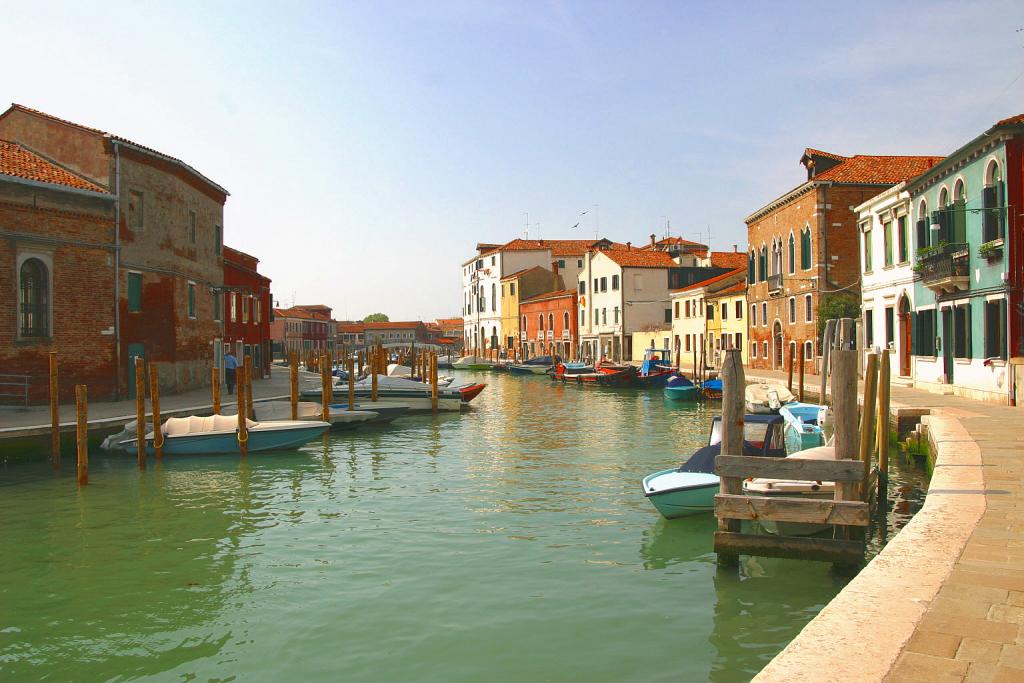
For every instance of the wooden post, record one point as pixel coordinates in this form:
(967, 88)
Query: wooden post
(351, 385)
(693, 374)
(154, 400)
(433, 383)
(140, 411)
(293, 380)
(882, 439)
(412, 360)
(325, 389)
(789, 381)
(215, 389)
(243, 427)
(248, 387)
(54, 413)
(82, 432)
(826, 356)
(377, 358)
(733, 389)
(867, 420)
(803, 348)
(844, 407)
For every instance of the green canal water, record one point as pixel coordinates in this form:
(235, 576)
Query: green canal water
(511, 543)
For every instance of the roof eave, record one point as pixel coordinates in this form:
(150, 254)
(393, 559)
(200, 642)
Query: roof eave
(164, 157)
(939, 169)
(57, 187)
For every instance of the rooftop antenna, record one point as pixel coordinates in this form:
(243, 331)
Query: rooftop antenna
(597, 222)
(527, 214)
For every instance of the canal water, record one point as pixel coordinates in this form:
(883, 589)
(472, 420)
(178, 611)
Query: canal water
(509, 543)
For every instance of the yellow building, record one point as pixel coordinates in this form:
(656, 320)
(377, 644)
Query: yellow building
(727, 326)
(694, 320)
(522, 285)
(660, 338)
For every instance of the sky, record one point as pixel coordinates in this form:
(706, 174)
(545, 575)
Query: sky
(369, 146)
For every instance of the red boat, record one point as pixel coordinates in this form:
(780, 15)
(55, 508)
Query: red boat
(470, 391)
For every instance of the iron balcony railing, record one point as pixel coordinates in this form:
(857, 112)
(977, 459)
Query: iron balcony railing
(775, 282)
(945, 261)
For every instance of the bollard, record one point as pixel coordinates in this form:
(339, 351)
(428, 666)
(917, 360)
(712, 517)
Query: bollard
(154, 399)
(82, 432)
(243, 427)
(140, 411)
(293, 377)
(54, 413)
(215, 389)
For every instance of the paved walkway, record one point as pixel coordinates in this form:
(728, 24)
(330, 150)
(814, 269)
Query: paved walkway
(944, 601)
(36, 419)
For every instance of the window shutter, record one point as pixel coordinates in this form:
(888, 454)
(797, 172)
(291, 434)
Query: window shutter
(989, 219)
(1000, 213)
(967, 330)
(958, 232)
(915, 343)
(922, 233)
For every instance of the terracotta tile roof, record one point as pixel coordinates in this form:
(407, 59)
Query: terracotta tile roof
(19, 162)
(450, 322)
(637, 258)
(709, 281)
(351, 327)
(811, 152)
(521, 272)
(729, 291)
(549, 295)
(407, 324)
(728, 259)
(878, 170)
(557, 247)
(1011, 121)
(300, 312)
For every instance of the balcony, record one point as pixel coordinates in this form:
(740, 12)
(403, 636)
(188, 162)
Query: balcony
(946, 267)
(775, 284)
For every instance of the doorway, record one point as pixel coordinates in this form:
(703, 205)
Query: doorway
(947, 343)
(906, 337)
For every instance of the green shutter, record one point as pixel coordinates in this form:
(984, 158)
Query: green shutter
(1000, 210)
(915, 342)
(134, 292)
(959, 222)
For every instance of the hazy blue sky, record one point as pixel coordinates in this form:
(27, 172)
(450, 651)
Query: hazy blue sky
(368, 146)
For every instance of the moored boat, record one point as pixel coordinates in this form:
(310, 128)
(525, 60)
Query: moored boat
(218, 434)
(473, 363)
(767, 398)
(680, 388)
(568, 372)
(802, 428)
(310, 411)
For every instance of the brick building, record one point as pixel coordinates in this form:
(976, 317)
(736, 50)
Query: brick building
(352, 334)
(246, 309)
(396, 333)
(167, 263)
(548, 324)
(302, 329)
(57, 265)
(804, 245)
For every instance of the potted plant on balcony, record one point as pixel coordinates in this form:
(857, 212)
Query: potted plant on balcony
(991, 250)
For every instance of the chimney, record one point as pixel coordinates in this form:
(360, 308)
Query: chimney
(735, 248)
(629, 246)
(652, 240)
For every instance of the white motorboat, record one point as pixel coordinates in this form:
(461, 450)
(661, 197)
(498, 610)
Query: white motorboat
(766, 399)
(218, 434)
(308, 410)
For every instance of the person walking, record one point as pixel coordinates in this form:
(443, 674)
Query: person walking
(230, 365)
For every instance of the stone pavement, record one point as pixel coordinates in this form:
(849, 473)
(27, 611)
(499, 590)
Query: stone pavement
(944, 601)
(36, 419)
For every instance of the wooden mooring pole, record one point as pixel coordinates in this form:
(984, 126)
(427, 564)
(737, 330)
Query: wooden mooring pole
(351, 385)
(293, 381)
(325, 390)
(215, 389)
(375, 365)
(844, 406)
(867, 419)
(882, 439)
(154, 399)
(248, 387)
(789, 380)
(243, 427)
(140, 411)
(82, 432)
(827, 338)
(800, 395)
(54, 413)
(734, 385)
(433, 383)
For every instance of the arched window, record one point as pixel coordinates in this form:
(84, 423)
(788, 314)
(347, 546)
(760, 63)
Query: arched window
(565, 320)
(540, 322)
(958, 214)
(805, 248)
(494, 296)
(551, 322)
(762, 264)
(922, 225)
(34, 299)
(752, 267)
(792, 254)
(992, 200)
(524, 323)
(776, 257)
(942, 216)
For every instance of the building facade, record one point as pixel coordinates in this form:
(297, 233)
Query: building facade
(399, 333)
(246, 310)
(516, 287)
(695, 319)
(548, 324)
(301, 329)
(970, 261)
(803, 249)
(729, 330)
(57, 264)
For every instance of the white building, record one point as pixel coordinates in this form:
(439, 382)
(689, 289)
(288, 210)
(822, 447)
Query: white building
(482, 274)
(621, 291)
(887, 289)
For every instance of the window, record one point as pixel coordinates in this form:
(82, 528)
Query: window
(216, 305)
(34, 298)
(808, 349)
(725, 311)
(136, 212)
(808, 309)
(192, 227)
(583, 318)
(739, 310)
(494, 296)
(615, 282)
(753, 314)
(492, 260)
(764, 317)
(583, 286)
(764, 349)
(867, 247)
(604, 284)
(524, 322)
(902, 247)
(762, 264)
(604, 316)
(922, 226)
(776, 257)
(792, 254)
(595, 316)
(565, 320)
(192, 300)
(579, 263)
(995, 329)
(234, 306)
(753, 349)
(710, 312)
(257, 308)
(992, 201)
(962, 331)
(134, 292)
(218, 238)
(668, 316)
(805, 249)
(890, 333)
(676, 309)
(596, 288)
(792, 310)
(245, 309)
(512, 289)
(687, 308)
(561, 263)
(479, 264)
(687, 337)
(551, 321)
(752, 268)
(887, 242)
(739, 340)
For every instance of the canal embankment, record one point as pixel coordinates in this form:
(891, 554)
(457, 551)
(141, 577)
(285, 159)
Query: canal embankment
(944, 600)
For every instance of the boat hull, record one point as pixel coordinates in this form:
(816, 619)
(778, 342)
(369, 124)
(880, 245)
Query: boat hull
(687, 494)
(794, 528)
(687, 393)
(226, 443)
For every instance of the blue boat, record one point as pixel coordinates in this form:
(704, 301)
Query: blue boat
(218, 434)
(802, 429)
(691, 488)
(712, 389)
(680, 388)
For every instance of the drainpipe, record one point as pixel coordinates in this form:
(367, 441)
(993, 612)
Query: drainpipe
(117, 270)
